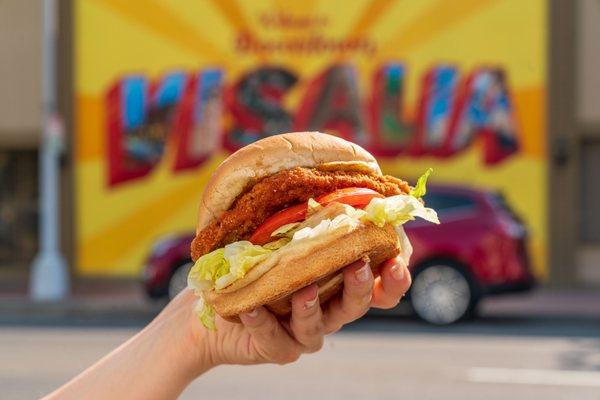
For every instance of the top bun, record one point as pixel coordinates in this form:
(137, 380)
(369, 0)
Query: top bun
(273, 154)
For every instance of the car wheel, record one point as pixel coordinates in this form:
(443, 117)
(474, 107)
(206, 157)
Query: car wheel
(442, 294)
(178, 280)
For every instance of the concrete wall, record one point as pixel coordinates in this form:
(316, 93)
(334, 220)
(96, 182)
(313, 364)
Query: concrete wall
(588, 62)
(574, 128)
(588, 129)
(20, 70)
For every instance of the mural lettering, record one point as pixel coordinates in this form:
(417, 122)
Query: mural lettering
(181, 109)
(184, 111)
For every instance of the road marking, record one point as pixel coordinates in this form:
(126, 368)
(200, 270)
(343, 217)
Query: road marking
(534, 376)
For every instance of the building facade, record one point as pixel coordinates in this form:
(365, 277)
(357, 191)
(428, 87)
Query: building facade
(498, 95)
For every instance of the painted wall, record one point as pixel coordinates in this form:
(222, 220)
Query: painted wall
(165, 90)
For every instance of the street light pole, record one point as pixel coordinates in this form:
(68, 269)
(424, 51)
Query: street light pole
(49, 278)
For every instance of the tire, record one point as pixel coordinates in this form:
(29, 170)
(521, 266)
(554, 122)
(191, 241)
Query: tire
(178, 280)
(442, 293)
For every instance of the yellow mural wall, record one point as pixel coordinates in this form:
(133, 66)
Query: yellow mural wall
(118, 223)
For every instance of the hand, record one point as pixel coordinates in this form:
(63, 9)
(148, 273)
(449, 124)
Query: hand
(262, 338)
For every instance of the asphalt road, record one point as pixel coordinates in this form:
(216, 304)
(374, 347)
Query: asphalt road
(377, 358)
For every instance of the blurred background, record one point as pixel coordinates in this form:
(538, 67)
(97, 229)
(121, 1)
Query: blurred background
(113, 114)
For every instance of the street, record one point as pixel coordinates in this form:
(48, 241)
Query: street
(378, 357)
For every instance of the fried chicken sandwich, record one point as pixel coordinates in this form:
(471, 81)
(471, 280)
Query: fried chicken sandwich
(291, 210)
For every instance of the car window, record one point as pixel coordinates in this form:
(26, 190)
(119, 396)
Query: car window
(443, 202)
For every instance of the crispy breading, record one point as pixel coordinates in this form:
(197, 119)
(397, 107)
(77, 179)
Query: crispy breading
(281, 190)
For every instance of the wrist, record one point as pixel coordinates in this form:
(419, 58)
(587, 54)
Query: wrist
(191, 340)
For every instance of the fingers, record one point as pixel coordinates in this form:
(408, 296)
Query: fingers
(393, 282)
(268, 340)
(306, 323)
(355, 299)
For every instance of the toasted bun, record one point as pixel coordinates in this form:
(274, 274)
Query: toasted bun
(273, 154)
(306, 263)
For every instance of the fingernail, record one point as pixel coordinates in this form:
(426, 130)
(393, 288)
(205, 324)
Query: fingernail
(252, 314)
(397, 271)
(362, 274)
(311, 303)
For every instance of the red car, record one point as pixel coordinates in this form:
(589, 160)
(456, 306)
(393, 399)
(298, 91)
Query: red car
(479, 249)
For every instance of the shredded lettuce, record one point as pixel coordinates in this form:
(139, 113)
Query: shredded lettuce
(207, 270)
(420, 190)
(397, 210)
(223, 266)
(312, 207)
(206, 314)
(225, 281)
(405, 246)
(285, 230)
(243, 255)
(356, 213)
(219, 269)
(277, 244)
(326, 226)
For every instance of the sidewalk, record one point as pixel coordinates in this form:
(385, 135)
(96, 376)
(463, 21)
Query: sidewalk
(546, 302)
(118, 300)
(96, 301)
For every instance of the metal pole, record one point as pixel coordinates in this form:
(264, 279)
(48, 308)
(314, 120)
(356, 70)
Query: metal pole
(49, 278)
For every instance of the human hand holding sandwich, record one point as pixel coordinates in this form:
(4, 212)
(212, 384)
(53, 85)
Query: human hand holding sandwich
(174, 349)
(298, 235)
(263, 338)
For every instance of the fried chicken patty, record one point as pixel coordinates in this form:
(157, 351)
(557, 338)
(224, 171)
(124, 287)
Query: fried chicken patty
(281, 190)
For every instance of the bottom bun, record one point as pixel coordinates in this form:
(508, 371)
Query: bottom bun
(316, 262)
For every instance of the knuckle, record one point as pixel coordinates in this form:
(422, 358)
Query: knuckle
(357, 286)
(333, 329)
(313, 348)
(289, 356)
(359, 306)
(314, 329)
(255, 358)
(352, 313)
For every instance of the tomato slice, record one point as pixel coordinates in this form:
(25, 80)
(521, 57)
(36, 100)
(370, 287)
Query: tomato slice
(354, 196)
(262, 234)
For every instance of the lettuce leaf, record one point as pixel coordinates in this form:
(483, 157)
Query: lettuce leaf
(326, 226)
(243, 255)
(206, 314)
(277, 244)
(207, 270)
(405, 244)
(223, 266)
(420, 190)
(225, 281)
(285, 230)
(312, 206)
(397, 210)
